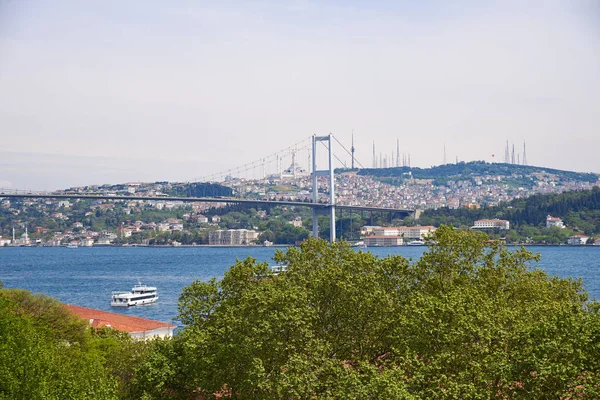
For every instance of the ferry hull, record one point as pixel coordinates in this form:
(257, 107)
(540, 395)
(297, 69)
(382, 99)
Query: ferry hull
(133, 302)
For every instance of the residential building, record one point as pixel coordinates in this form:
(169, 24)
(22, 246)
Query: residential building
(136, 327)
(491, 224)
(551, 221)
(87, 242)
(297, 222)
(577, 239)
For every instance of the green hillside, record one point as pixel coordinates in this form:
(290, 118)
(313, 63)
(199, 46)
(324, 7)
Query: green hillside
(463, 170)
(578, 209)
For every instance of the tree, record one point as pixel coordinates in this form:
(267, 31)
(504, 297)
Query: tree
(468, 320)
(46, 353)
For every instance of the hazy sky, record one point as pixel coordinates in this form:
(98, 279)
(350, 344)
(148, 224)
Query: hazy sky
(112, 91)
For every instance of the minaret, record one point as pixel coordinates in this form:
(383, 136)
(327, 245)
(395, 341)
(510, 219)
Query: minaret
(352, 149)
(524, 155)
(13, 234)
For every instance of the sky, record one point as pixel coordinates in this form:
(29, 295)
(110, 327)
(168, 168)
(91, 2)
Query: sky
(112, 91)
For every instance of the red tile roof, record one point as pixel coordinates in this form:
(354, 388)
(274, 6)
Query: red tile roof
(116, 321)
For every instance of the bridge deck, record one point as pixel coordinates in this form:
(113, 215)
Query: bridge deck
(199, 199)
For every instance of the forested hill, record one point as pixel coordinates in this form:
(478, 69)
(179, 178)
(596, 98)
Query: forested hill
(198, 189)
(471, 169)
(580, 209)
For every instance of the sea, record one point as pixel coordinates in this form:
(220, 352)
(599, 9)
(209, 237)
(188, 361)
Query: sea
(86, 276)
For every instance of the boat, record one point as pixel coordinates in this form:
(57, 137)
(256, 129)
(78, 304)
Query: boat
(360, 245)
(139, 294)
(416, 243)
(278, 269)
(72, 246)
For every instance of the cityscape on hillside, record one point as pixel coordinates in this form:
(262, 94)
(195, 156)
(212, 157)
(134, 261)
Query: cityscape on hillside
(56, 222)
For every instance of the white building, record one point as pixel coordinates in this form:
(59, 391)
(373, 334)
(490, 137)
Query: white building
(551, 221)
(87, 242)
(297, 222)
(383, 240)
(232, 237)
(4, 241)
(578, 239)
(491, 224)
(407, 232)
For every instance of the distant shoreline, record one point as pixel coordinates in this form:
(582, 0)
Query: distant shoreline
(160, 246)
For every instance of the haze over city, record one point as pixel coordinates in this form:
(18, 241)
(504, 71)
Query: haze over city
(114, 91)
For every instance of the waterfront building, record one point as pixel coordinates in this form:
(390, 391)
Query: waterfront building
(407, 232)
(577, 240)
(138, 328)
(383, 240)
(232, 237)
(491, 224)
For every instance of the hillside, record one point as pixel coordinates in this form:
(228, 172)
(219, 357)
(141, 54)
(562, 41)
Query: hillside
(441, 174)
(579, 210)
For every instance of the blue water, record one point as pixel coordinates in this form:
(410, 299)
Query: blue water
(87, 276)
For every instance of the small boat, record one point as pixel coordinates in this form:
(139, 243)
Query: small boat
(416, 243)
(278, 269)
(72, 246)
(360, 245)
(139, 294)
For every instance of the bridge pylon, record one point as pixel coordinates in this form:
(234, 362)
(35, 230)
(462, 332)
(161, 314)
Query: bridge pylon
(315, 186)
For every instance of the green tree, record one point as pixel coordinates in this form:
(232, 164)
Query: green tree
(46, 353)
(469, 319)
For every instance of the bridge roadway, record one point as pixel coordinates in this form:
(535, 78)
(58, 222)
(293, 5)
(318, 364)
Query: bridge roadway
(229, 200)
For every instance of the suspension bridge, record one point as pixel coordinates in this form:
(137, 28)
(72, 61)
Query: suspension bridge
(318, 206)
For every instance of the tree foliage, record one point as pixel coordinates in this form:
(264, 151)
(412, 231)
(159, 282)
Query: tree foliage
(48, 353)
(467, 320)
(578, 209)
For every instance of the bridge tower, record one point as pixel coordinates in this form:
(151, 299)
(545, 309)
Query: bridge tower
(315, 186)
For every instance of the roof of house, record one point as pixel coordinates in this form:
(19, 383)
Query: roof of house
(125, 323)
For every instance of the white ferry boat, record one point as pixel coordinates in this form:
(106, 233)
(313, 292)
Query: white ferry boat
(139, 294)
(416, 243)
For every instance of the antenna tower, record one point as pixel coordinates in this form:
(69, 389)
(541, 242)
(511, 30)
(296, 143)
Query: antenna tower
(507, 154)
(352, 149)
(513, 154)
(444, 153)
(524, 155)
(374, 156)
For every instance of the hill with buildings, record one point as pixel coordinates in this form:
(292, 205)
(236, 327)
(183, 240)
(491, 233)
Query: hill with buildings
(526, 175)
(556, 215)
